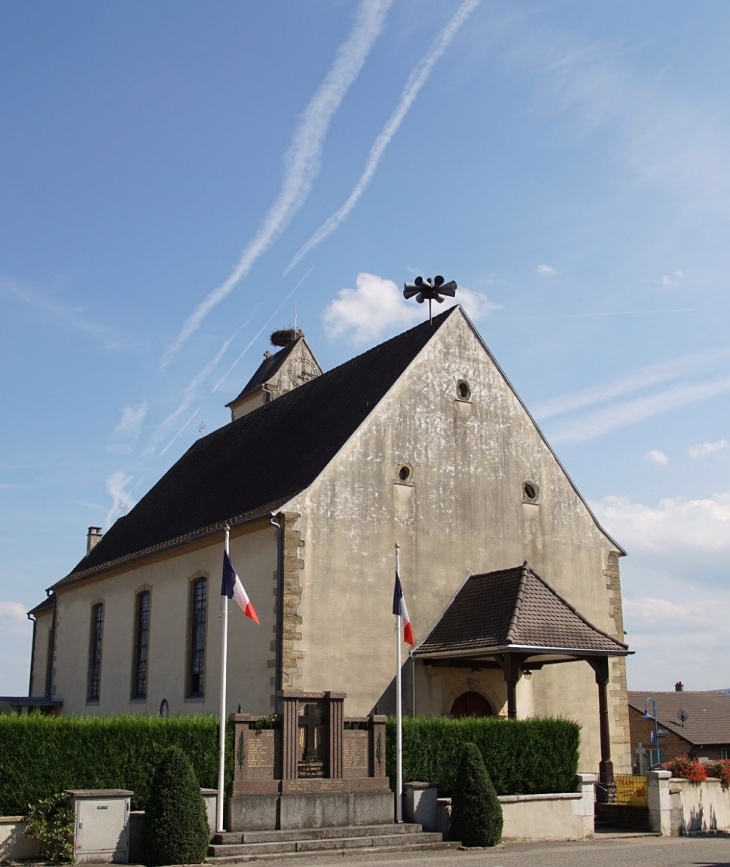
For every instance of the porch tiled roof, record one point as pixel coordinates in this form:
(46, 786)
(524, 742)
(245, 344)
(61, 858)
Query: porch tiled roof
(513, 609)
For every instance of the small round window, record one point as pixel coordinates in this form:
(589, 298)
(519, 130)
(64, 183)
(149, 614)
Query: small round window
(463, 390)
(530, 492)
(404, 473)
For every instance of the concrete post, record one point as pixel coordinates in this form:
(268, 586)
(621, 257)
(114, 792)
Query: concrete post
(660, 816)
(421, 804)
(585, 808)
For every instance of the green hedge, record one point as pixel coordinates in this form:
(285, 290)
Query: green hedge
(522, 757)
(42, 755)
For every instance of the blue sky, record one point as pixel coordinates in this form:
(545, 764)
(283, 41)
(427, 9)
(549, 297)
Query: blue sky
(177, 179)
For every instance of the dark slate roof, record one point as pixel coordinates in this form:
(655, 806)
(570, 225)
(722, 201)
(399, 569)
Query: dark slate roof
(43, 606)
(268, 368)
(253, 465)
(709, 714)
(512, 609)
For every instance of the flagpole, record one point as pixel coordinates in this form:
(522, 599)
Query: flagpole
(222, 722)
(398, 709)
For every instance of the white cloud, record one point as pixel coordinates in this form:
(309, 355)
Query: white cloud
(669, 281)
(545, 270)
(612, 418)
(128, 429)
(418, 77)
(694, 527)
(373, 308)
(656, 456)
(302, 160)
(12, 617)
(117, 485)
(377, 307)
(704, 449)
(476, 305)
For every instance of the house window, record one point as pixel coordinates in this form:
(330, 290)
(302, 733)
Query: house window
(199, 606)
(725, 753)
(97, 630)
(141, 645)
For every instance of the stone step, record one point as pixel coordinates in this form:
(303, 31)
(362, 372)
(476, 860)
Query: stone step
(234, 837)
(317, 845)
(408, 844)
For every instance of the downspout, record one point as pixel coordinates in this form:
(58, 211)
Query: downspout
(51, 648)
(32, 655)
(413, 684)
(279, 604)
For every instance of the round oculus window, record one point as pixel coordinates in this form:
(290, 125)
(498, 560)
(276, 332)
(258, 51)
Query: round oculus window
(530, 492)
(463, 390)
(404, 473)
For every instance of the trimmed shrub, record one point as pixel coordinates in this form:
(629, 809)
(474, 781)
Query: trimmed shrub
(175, 824)
(476, 814)
(41, 755)
(523, 757)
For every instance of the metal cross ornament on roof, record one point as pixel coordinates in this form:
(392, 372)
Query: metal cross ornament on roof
(431, 289)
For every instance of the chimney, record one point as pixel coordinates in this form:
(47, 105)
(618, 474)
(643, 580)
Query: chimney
(679, 686)
(93, 537)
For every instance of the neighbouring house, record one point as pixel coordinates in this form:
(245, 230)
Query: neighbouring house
(420, 441)
(697, 725)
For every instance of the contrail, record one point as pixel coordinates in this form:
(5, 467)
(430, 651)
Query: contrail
(189, 394)
(255, 337)
(601, 313)
(415, 82)
(302, 160)
(195, 412)
(603, 421)
(635, 380)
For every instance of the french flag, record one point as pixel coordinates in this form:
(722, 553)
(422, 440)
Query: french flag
(233, 589)
(400, 610)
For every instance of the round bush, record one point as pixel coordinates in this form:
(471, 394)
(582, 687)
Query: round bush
(476, 814)
(175, 826)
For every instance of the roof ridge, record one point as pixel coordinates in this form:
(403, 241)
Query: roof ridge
(519, 596)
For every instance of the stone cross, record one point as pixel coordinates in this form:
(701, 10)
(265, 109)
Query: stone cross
(310, 719)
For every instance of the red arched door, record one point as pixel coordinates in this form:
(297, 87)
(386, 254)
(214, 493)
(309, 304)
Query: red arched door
(471, 704)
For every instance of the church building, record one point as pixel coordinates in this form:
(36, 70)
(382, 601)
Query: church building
(511, 584)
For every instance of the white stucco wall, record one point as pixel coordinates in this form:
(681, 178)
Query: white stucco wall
(250, 647)
(41, 640)
(463, 510)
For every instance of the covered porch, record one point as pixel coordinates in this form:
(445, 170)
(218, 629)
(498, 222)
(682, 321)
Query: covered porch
(513, 622)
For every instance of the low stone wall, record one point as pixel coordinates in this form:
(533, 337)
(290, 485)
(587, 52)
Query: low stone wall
(560, 816)
(14, 845)
(704, 806)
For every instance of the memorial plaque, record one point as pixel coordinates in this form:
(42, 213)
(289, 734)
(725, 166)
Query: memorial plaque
(311, 770)
(261, 750)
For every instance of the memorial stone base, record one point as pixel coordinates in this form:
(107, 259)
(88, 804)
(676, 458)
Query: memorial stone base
(313, 769)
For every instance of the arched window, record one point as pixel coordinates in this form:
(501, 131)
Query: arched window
(97, 632)
(141, 645)
(198, 612)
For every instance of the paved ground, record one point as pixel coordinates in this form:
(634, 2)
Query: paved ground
(602, 852)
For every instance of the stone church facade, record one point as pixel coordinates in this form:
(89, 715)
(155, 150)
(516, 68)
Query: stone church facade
(420, 441)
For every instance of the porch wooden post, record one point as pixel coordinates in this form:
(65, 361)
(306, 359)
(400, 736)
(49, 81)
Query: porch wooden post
(511, 663)
(605, 766)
